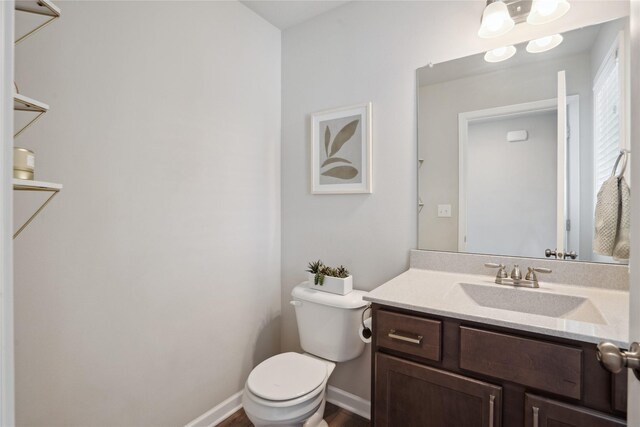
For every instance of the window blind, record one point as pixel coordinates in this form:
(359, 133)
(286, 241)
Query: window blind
(606, 109)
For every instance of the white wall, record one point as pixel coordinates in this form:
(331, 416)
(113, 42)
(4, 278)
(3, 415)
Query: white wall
(369, 51)
(511, 186)
(150, 286)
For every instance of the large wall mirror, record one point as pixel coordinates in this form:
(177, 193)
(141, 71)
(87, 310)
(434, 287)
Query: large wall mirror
(512, 154)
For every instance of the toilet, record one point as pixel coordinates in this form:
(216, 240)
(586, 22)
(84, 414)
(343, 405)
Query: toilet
(289, 389)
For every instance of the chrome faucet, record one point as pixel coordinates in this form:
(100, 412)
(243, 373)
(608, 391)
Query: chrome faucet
(530, 280)
(516, 274)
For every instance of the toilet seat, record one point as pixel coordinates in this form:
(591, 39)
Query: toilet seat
(286, 377)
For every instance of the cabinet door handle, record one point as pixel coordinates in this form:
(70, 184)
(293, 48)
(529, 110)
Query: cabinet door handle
(492, 399)
(535, 416)
(394, 336)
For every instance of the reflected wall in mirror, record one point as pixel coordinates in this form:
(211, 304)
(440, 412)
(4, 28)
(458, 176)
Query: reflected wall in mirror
(511, 155)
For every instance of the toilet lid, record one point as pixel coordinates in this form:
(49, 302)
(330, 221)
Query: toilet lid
(286, 376)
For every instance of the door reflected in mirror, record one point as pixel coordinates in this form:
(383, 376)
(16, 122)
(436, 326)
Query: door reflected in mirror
(512, 154)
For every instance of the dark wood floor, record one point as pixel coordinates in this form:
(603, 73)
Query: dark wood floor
(333, 415)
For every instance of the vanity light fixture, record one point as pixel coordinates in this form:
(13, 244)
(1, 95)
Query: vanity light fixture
(500, 16)
(544, 11)
(500, 54)
(496, 20)
(544, 44)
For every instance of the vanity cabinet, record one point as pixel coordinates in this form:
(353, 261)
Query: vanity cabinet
(411, 394)
(541, 412)
(442, 372)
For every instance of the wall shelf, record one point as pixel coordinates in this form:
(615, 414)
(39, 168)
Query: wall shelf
(50, 12)
(24, 103)
(38, 7)
(29, 185)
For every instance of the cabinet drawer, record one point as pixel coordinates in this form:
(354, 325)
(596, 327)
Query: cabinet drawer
(541, 412)
(409, 334)
(550, 367)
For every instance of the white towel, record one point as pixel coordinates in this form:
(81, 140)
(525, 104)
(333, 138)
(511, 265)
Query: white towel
(621, 249)
(606, 218)
(612, 219)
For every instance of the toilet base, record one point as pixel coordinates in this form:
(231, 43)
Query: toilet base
(310, 419)
(316, 419)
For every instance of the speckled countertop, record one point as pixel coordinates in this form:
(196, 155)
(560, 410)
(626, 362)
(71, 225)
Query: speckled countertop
(441, 293)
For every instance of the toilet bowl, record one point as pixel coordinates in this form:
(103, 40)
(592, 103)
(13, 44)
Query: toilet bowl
(289, 389)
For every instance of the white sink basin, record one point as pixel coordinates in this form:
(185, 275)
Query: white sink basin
(529, 301)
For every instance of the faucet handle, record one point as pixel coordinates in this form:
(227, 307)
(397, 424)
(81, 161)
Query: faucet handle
(493, 265)
(502, 269)
(531, 273)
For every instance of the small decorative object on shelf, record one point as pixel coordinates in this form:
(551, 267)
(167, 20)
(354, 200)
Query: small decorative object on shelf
(23, 163)
(336, 280)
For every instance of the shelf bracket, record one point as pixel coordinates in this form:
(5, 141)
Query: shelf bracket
(36, 29)
(25, 127)
(37, 7)
(54, 192)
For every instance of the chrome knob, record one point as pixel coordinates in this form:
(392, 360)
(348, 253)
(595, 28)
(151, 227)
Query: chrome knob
(572, 255)
(549, 253)
(611, 357)
(614, 360)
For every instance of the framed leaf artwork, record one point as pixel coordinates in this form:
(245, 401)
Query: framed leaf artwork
(341, 150)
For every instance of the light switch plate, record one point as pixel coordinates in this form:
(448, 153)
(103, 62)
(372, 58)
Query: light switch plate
(444, 211)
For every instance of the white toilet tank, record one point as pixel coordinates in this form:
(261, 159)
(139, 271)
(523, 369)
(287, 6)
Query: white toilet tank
(328, 323)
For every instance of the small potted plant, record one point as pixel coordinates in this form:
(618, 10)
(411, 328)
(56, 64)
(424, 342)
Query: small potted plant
(336, 280)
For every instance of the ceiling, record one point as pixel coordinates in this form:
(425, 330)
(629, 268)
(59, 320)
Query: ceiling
(287, 13)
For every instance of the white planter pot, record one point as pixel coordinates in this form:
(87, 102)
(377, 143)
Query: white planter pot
(334, 285)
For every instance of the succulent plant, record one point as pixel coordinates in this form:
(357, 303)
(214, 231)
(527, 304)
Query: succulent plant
(315, 266)
(319, 270)
(342, 272)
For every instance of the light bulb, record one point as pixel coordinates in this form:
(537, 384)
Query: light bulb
(544, 11)
(500, 54)
(499, 51)
(544, 44)
(496, 20)
(547, 7)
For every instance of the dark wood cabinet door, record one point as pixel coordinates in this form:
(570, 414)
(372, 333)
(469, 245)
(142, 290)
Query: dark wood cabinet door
(409, 394)
(541, 412)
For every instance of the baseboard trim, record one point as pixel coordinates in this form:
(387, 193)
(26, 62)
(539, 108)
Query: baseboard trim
(348, 401)
(335, 395)
(219, 413)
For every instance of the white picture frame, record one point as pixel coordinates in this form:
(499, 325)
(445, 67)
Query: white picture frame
(341, 158)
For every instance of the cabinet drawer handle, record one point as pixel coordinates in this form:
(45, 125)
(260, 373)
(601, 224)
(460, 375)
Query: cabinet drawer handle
(393, 335)
(535, 416)
(492, 398)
